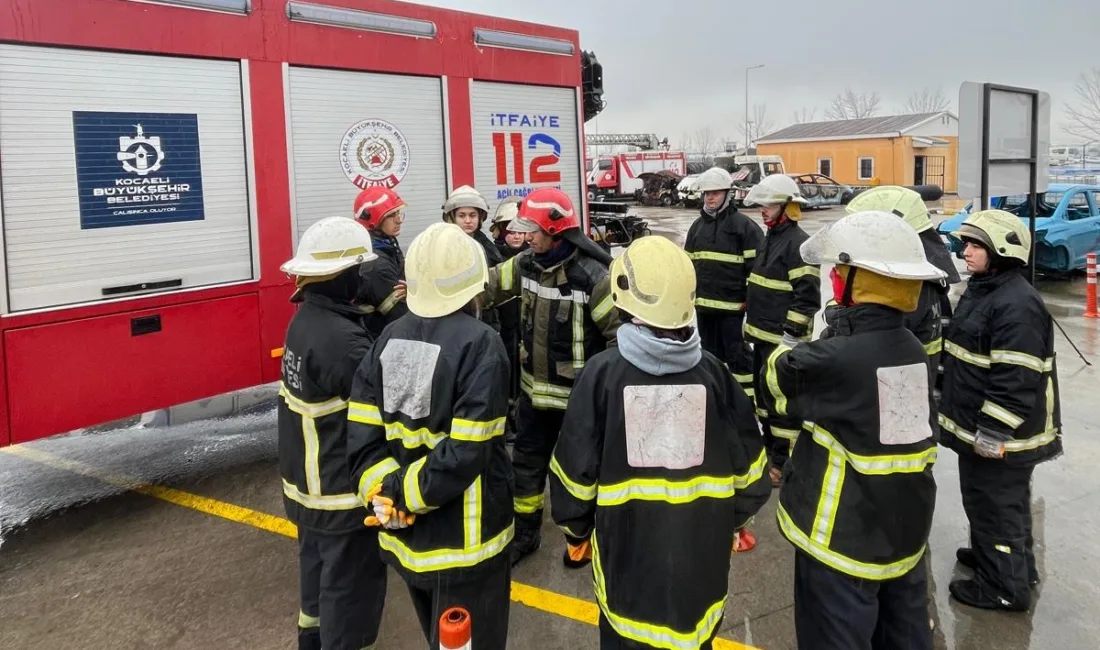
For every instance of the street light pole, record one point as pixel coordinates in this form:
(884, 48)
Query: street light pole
(747, 134)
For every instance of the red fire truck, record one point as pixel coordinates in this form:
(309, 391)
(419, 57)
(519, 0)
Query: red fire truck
(159, 160)
(618, 175)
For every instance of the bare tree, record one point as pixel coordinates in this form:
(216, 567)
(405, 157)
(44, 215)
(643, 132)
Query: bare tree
(1084, 115)
(686, 142)
(927, 101)
(759, 124)
(805, 115)
(706, 142)
(850, 105)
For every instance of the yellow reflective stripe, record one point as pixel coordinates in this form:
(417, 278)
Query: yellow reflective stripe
(755, 471)
(311, 409)
(603, 308)
(544, 395)
(1034, 442)
(750, 253)
(961, 353)
(801, 319)
(528, 505)
(934, 347)
(568, 531)
(364, 413)
(742, 379)
(1050, 404)
(674, 492)
(1021, 359)
(719, 304)
(374, 475)
(476, 430)
(444, 558)
(312, 456)
(1000, 413)
(841, 563)
(305, 620)
(320, 501)
(578, 337)
(544, 387)
(389, 303)
(578, 490)
(786, 434)
(763, 335)
(762, 413)
(750, 391)
(648, 634)
(777, 285)
(508, 274)
(772, 379)
(728, 258)
(802, 271)
(413, 438)
(411, 487)
(829, 502)
(471, 514)
(878, 465)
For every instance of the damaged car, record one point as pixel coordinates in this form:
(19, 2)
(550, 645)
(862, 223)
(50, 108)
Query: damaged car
(821, 191)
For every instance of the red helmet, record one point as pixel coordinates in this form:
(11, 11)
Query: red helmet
(375, 204)
(548, 209)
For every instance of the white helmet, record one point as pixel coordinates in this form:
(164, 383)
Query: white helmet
(330, 246)
(874, 240)
(465, 197)
(777, 189)
(507, 210)
(445, 269)
(714, 179)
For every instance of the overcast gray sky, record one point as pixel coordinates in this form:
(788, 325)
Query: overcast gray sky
(671, 67)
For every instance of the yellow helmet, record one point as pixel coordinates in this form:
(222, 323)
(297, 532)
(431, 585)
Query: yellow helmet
(1003, 233)
(445, 269)
(901, 201)
(654, 281)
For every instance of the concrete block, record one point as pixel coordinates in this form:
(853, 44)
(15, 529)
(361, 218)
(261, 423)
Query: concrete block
(214, 407)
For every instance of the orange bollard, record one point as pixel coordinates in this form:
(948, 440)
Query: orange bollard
(1090, 288)
(454, 629)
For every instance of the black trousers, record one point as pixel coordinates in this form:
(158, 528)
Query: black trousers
(997, 501)
(780, 431)
(834, 611)
(343, 589)
(610, 639)
(486, 600)
(722, 336)
(535, 439)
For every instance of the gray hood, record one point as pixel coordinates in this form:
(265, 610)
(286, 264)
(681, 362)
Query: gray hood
(655, 355)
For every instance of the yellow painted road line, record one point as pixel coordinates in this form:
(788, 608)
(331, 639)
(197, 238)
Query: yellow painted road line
(541, 599)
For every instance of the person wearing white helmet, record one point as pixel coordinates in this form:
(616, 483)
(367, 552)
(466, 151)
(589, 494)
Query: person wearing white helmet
(426, 441)
(859, 493)
(1000, 409)
(342, 579)
(467, 209)
(722, 244)
(784, 293)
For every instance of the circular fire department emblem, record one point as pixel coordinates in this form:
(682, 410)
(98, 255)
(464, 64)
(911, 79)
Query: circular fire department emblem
(374, 153)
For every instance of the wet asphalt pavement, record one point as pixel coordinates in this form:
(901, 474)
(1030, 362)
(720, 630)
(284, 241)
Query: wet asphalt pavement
(137, 538)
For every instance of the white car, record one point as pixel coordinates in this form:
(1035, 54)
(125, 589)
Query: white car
(687, 189)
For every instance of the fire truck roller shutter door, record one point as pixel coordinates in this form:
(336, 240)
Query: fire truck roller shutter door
(350, 130)
(108, 193)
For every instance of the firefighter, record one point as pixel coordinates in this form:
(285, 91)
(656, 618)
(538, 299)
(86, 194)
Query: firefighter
(659, 461)
(343, 581)
(722, 243)
(468, 209)
(509, 244)
(999, 409)
(858, 494)
(426, 441)
(784, 293)
(382, 295)
(566, 316)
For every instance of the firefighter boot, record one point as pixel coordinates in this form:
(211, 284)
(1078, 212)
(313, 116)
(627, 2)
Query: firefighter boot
(967, 558)
(528, 537)
(977, 594)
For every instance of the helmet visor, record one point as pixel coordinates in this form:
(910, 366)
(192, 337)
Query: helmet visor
(522, 225)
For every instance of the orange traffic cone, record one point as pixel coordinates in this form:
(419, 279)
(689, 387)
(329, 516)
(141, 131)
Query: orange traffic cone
(1090, 288)
(454, 629)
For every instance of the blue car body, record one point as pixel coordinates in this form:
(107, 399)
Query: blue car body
(1067, 226)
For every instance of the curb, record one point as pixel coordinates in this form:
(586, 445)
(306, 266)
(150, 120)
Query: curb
(219, 406)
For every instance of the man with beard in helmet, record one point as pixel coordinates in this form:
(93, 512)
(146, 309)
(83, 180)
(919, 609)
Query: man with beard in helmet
(859, 493)
(567, 316)
(382, 295)
(467, 209)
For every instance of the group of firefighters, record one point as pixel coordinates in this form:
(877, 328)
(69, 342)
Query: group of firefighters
(662, 394)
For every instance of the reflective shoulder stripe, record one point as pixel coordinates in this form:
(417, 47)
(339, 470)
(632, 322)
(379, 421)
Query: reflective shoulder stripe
(841, 563)
(801, 319)
(1034, 442)
(374, 475)
(411, 487)
(878, 465)
(311, 409)
(777, 285)
(364, 413)
(444, 558)
(1001, 414)
(578, 490)
(712, 256)
(413, 438)
(650, 634)
(773, 380)
(1021, 359)
(334, 502)
(476, 431)
(719, 304)
(389, 303)
(961, 353)
(508, 274)
(803, 271)
(601, 310)
(935, 346)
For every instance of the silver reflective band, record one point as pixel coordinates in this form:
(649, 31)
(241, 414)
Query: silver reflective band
(242, 7)
(512, 41)
(306, 12)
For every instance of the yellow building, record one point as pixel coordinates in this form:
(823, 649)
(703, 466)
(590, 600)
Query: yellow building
(918, 149)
